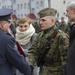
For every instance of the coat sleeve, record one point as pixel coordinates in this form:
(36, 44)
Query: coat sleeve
(15, 59)
(63, 47)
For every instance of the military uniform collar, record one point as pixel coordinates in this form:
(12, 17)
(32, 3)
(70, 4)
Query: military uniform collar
(49, 31)
(72, 23)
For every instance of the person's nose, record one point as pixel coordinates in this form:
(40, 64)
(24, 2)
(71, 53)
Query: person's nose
(23, 28)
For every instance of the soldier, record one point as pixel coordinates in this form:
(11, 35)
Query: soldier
(63, 25)
(50, 47)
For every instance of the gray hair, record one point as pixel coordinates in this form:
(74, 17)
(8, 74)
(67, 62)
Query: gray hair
(71, 4)
(51, 17)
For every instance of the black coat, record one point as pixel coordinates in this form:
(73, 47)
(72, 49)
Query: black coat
(70, 65)
(72, 34)
(71, 60)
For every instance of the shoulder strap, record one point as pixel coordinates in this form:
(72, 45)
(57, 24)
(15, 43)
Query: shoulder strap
(53, 35)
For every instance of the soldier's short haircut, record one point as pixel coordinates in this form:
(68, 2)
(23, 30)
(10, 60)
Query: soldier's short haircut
(47, 12)
(52, 17)
(71, 4)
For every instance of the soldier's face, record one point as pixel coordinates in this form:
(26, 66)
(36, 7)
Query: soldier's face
(70, 14)
(45, 23)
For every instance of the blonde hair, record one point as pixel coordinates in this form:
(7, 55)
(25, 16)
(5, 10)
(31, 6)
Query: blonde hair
(24, 20)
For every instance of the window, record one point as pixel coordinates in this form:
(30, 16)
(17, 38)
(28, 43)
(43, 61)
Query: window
(58, 14)
(49, 3)
(3, 7)
(14, 11)
(64, 13)
(21, 15)
(18, 6)
(41, 3)
(25, 14)
(33, 9)
(37, 4)
(24, 5)
(21, 6)
(18, 15)
(64, 2)
(28, 5)
(8, 6)
(11, 6)
(14, 1)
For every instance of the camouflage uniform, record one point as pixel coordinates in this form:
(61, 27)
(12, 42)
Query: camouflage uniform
(58, 50)
(63, 25)
(68, 28)
(57, 23)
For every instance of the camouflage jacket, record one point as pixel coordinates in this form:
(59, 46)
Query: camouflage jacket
(63, 26)
(58, 48)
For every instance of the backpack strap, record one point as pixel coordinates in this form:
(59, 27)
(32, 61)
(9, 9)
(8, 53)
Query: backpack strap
(55, 33)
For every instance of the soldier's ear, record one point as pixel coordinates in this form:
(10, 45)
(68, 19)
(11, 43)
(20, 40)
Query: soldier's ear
(53, 20)
(2, 25)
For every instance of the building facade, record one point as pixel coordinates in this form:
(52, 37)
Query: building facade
(24, 7)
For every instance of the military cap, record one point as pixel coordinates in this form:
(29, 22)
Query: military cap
(5, 14)
(47, 12)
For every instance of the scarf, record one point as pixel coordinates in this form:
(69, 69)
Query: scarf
(24, 37)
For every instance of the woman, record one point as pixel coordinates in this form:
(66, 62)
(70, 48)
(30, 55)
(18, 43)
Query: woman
(25, 34)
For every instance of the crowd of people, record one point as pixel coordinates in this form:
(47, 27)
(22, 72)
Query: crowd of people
(44, 48)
